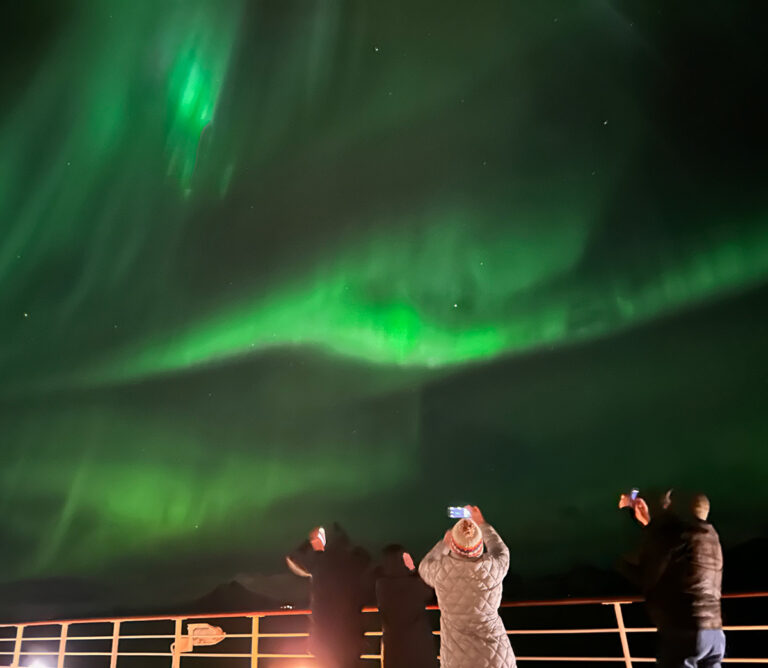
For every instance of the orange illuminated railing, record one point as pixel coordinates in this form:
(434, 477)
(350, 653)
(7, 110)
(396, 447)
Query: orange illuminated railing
(272, 638)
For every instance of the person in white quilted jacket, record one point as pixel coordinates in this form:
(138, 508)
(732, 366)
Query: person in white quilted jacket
(468, 585)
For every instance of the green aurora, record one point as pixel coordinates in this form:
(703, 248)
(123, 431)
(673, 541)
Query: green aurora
(252, 252)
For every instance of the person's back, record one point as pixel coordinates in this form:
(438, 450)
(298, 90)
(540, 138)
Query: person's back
(703, 580)
(682, 568)
(402, 596)
(687, 596)
(469, 588)
(336, 625)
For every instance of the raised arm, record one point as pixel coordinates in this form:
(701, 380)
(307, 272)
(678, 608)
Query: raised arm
(496, 557)
(431, 562)
(497, 553)
(495, 546)
(302, 560)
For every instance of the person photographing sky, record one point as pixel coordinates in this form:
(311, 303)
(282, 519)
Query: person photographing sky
(338, 572)
(466, 569)
(680, 570)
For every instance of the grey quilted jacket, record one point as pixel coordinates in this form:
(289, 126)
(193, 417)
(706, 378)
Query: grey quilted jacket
(472, 634)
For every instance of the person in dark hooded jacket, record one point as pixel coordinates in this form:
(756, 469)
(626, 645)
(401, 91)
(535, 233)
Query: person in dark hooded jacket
(338, 574)
(680, 570)
(402, 596)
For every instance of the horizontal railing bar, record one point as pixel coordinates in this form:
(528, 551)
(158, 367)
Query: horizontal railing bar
(571, 659)
(582, 659)
(745, 660)
(217, 655)
(68, 653)
(289, 613)
(95, 638)
(524, 632)
(369, 634)
(371, 656)
(49, 639)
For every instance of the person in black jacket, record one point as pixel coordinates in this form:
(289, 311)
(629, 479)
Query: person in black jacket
(338, 573)
(680, 570)
(402, 596)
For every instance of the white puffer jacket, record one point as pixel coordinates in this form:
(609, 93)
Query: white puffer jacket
(472, 634)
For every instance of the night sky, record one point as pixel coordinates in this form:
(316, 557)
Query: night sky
(269, 264)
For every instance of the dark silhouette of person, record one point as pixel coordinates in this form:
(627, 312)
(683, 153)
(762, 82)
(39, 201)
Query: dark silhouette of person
(680, 570)
(402, 595)
(338, 573)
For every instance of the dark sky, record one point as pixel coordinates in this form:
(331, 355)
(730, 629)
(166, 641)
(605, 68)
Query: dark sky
(269, 264)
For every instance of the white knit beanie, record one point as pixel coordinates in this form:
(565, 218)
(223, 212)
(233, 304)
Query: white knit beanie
(467, 539)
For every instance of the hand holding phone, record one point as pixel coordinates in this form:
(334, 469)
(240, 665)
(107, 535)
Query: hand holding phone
(317, 539)
(628, 500)
(458, 512)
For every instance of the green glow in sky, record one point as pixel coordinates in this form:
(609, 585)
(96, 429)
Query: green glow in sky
(287, 261)
(434, 301)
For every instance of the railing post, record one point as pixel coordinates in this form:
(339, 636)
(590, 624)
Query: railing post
(254, 641)
(17, 646)
(115, 643)
(62, 645)
(622, 634)
(176, 654)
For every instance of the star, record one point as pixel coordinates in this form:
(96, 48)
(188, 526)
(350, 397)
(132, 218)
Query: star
(26, 315)
(376, 49)
(455, 306)
(605, 122)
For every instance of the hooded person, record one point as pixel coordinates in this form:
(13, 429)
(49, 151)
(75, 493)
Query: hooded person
(402, 595)
(337, 572)
(467, 569)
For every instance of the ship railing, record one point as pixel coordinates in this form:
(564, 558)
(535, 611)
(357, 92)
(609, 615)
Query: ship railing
(276, 638)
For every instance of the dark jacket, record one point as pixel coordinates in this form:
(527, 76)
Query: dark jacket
(681, 571)
(336, 625)
(402, 596)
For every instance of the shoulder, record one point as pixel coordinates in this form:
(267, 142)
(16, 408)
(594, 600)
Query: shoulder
(705, 531)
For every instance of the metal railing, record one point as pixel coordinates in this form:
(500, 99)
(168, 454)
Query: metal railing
(35, 643)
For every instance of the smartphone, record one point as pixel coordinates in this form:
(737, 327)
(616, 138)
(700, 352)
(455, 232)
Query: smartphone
(633, 494)
(457, 512)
